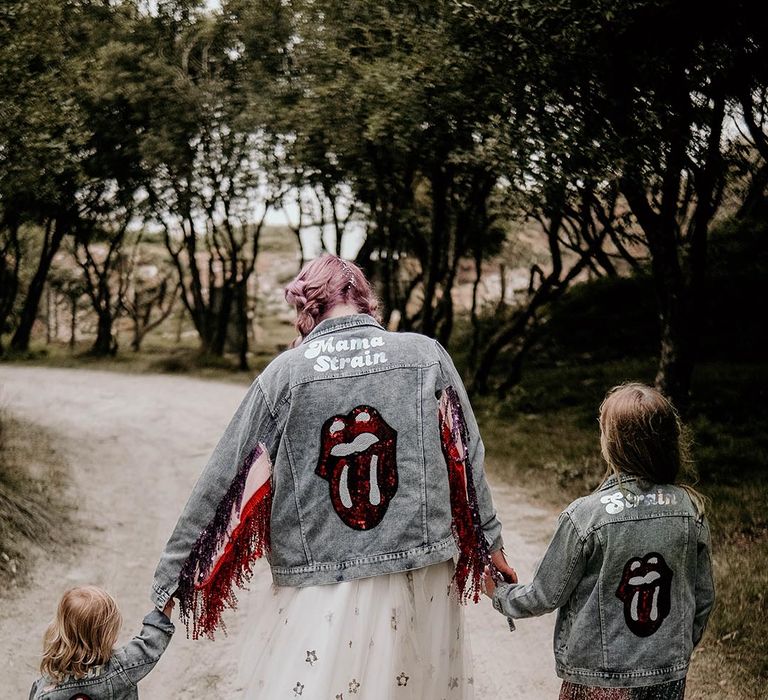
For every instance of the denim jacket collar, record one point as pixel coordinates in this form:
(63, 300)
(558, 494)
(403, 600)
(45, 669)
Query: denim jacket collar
(330, 325)
(613, 481)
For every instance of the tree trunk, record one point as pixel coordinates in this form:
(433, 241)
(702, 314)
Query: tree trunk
(9, 275)
(48, 314)
(219, 322)
(73, 322)
(473, 313)
(51, 243)
(432, 273)
(136, 340)
(105, 343)
(242, 308)
(676, 358)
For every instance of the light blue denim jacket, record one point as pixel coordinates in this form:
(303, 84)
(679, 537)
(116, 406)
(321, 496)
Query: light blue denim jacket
(327, 525)
(118, 678)
(629, 571)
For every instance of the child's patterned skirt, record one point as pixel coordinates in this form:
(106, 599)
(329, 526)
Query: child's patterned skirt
(674, 690)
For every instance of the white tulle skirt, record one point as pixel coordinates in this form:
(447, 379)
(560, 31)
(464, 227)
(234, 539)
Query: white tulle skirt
(395, 636)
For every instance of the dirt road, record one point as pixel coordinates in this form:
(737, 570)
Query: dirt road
(135, 444)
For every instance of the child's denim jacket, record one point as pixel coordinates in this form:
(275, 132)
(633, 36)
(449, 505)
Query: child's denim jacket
(629, 569)
(117, 679)
(349, 422)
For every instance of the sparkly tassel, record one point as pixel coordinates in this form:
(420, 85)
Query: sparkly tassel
(474, 554)
(222, 558)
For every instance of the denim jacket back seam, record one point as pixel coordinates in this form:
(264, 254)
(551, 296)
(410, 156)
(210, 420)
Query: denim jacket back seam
(87, 681)
(572, 565)
(679, 591)
(642, 673)
(295, 478)
(389, 367)
(420, 437)
(272, 412)
(635, 518)
(582, 535)
(127, 679)
(375, 558)
(601, 611)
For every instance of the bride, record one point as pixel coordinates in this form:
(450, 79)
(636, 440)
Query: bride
(355, 465)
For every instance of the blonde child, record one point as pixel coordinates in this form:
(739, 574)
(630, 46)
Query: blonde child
(79, 658)
(629, 567)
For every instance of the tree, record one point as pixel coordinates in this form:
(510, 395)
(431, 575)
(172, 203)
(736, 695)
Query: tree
(106, 271)
(409, 143)
(152, 294)
(577, 226)
(215, 168)
(56, 164)
(40, 147)
(69, 284)
(644, 90)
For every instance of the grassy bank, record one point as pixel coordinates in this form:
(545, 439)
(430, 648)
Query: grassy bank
(545, 435)
(33, 518)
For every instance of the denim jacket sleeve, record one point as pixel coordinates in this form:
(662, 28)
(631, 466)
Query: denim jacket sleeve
(556, 576)
(252, 424)
(705, 587)
(140, 655)
(490, 523)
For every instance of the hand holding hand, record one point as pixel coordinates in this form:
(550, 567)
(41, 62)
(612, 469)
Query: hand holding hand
(500, 562)
(500, 570)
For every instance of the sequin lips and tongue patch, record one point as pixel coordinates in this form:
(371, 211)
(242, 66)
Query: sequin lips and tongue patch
(358, 459)
(645, 590)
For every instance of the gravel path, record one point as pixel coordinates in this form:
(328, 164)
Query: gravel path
(135, 445)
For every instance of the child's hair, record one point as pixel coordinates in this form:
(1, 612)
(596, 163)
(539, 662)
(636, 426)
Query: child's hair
(322, 284)
(82, 635)
(641, 435)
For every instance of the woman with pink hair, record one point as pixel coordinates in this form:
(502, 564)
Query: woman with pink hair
(355, 465)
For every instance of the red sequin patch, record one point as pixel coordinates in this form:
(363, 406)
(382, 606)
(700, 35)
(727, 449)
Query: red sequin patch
(358, 459)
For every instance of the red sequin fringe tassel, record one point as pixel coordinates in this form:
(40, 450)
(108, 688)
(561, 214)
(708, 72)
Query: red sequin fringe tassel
(474, 553)
(210, 576)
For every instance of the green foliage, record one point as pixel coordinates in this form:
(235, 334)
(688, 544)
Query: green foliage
(615, 318)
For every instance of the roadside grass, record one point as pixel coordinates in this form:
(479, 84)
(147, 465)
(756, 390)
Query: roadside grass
(545, 435)
(33, 517)
(164, 353)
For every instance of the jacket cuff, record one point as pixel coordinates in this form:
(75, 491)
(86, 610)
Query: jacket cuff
(495, 545)
(492, 532)
(500, 588)
(159, 596)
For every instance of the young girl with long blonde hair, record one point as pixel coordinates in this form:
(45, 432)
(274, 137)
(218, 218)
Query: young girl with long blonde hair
(628, 568)
(79, 655)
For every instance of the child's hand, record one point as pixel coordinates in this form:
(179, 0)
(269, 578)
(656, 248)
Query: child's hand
(168, 609)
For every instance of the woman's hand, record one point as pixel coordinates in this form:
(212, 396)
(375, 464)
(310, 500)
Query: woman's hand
(507, 573)
(489, 584)
(500, 562)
